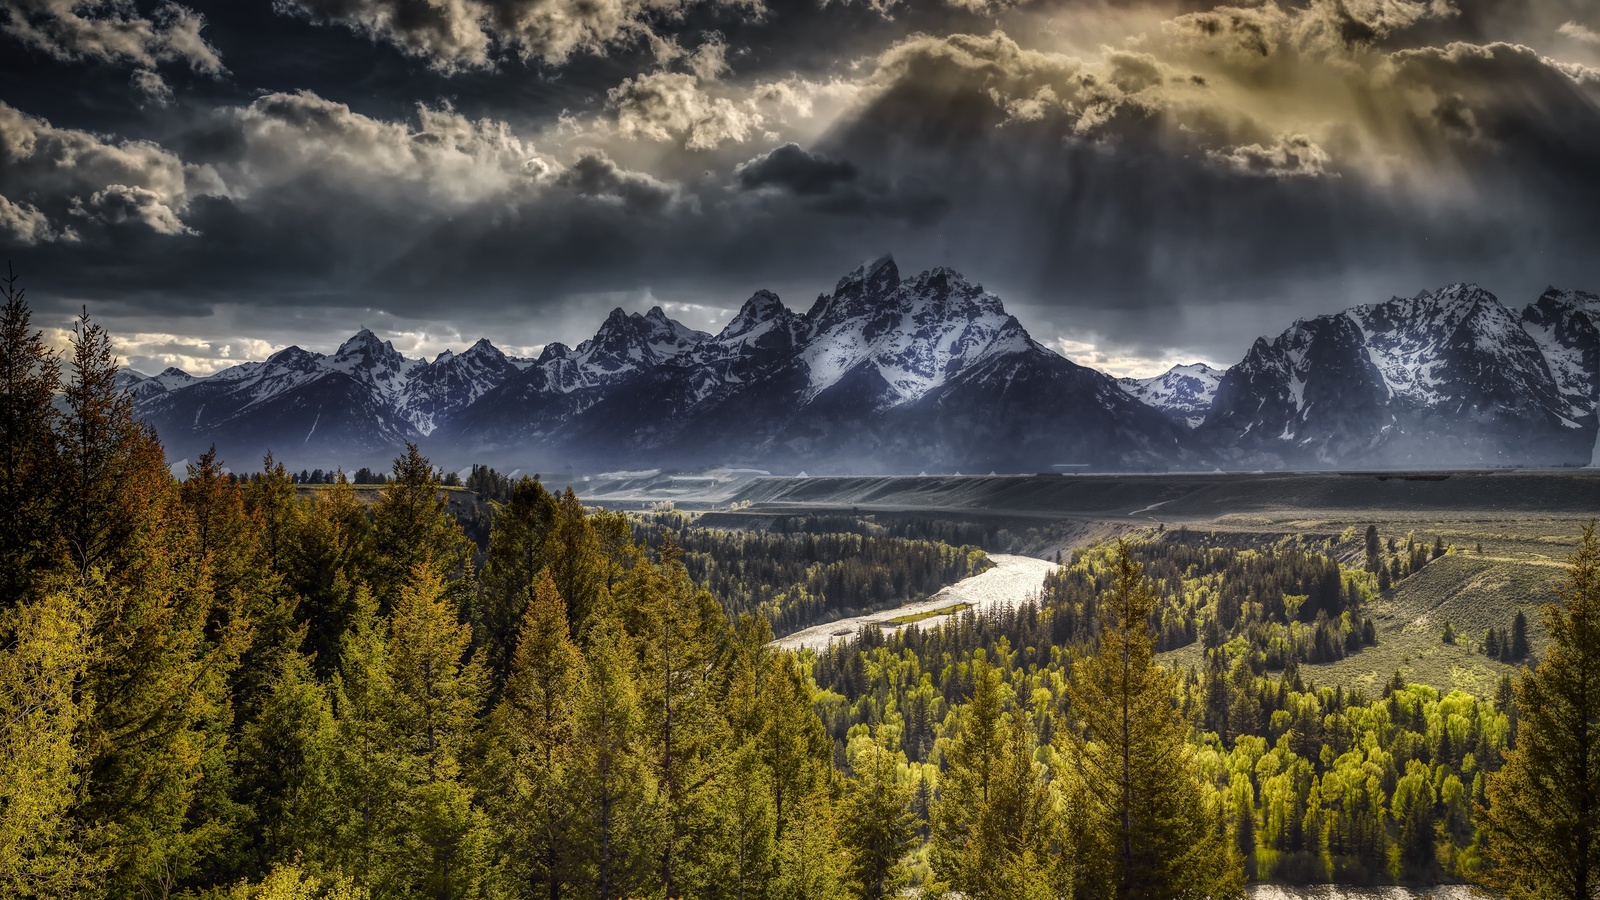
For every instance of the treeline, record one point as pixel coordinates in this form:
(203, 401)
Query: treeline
(796, 577)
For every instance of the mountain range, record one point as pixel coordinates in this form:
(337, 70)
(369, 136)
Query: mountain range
(926, 373)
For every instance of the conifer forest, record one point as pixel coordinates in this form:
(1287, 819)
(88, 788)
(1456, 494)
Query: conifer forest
(250, 683)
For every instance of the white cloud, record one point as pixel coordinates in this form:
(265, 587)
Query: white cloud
(114, 32)
(1290, 156)
(1580, 33)
(459, 35)
(25, 224)
(441, 161)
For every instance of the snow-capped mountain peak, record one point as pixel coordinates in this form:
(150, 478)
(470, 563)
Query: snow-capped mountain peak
(1184, 392)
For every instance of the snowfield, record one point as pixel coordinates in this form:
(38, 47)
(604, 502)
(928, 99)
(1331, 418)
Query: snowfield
(1012, 580)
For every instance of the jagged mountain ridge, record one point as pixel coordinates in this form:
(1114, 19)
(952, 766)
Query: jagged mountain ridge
(880, 373)
(1450, 377)
(891, 374)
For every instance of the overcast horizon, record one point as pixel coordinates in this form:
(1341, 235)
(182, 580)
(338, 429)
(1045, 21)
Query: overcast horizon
(1141, 183)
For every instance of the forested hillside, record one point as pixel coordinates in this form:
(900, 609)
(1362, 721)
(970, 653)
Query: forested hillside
(220, 687)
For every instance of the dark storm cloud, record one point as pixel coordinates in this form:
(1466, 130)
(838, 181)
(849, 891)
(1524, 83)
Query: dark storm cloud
(595, 175)
(1210, 175)
(836, 186)
(791, 168)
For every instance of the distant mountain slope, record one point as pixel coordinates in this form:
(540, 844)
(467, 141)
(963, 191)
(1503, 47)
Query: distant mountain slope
(1444, 378)
(897, 375)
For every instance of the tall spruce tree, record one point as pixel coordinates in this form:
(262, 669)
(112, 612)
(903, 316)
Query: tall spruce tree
(1146, 829)
(530, 760)
(114, 478)
(30, 375)
(877, 827)
(45, 650)
(410, 524)
(512, 572)
(680, 630)
(1542, 821)
(617, 817)
(438, 691)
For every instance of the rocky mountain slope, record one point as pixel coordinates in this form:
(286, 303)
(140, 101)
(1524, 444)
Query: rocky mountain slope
(926, 373)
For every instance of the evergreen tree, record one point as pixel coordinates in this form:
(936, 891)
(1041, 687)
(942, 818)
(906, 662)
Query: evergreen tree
(1543, 817)
(573, 557)
(1146, 829)
(114, 473)
(285, 768)
(972, 760)
(877, 826)
(812, 863)
(322, 565)
(437, 693)
(1518, 645)
(30, 375)
(679, 631)
(617, 827)
(410, 524)
(369, 791)
(531, 752)
(1374, 550)
(270, 497)
(511, 573)
(44, 852)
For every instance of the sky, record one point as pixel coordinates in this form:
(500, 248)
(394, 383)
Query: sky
(1143, 182)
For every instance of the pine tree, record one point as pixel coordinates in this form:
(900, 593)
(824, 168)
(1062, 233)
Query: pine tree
(30, 375)
(1518, 645)
(44, 852)
(617, 827)
(285, 769)
(1374, 550)
(410, 524)
(971, 762)
(369, 788)
(1146, 830)
(322, 564)
(573, 557)
(1543, 817)
(436, 699)
(679, 630)
(114, 473)
(270, 497)
(812, 863)
(516, 558)
(877, 827)
(531, 754)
